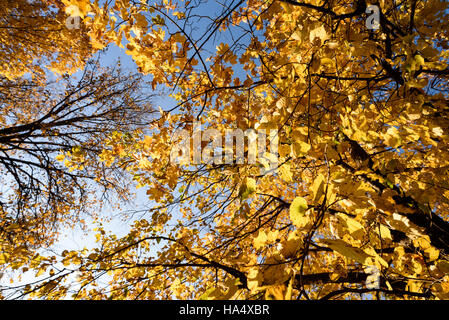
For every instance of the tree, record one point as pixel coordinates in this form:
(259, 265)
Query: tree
(44, 120)
(359, 201)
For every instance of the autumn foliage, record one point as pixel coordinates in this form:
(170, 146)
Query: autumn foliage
(357, 207)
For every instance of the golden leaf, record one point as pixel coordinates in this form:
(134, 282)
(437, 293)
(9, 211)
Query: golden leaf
(298, 209)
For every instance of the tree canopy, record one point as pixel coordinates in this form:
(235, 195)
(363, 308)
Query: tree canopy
(357, 203)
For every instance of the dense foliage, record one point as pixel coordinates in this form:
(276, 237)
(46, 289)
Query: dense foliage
(358, 203)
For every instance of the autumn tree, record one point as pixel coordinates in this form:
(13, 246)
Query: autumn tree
(359, 201)
(47, 116)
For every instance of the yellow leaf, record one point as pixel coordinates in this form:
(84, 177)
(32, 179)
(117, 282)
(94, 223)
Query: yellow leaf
(318, 188)
(319, 32)
(353, 226)
(260, 240)
(285, 172)
(419, 60)
(141, 21)
(291, 245)
(433, 253)
(346, 250)
(272, 236)
(285, 150)
(298, 210)
(393, 139)
(247, 188)
(384, 232)
(300, 148)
